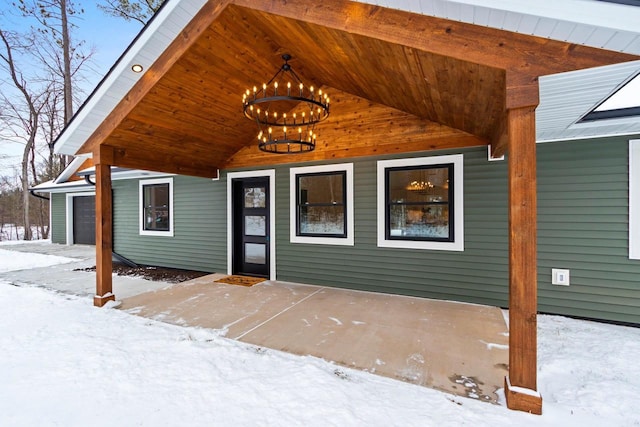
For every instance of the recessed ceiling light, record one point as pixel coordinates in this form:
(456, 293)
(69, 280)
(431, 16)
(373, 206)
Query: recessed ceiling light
(137, 68)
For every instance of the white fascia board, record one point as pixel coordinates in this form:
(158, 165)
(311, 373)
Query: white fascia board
(70, 170)
(120, 79)
(65, 187)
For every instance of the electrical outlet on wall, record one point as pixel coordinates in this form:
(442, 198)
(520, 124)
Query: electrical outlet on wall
(560, 277)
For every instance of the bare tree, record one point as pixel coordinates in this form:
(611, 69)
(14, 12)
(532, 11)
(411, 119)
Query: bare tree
(59, 51)
(134, 10)
(42, 65)
(21, 117)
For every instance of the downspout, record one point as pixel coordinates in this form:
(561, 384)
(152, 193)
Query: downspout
(114, 255)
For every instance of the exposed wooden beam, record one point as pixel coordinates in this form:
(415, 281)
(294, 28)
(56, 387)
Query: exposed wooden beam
(520, 91)
(529, 55)
(500, 140)
(199, 24)
(162, 161)
(521, 384)
(103, 158)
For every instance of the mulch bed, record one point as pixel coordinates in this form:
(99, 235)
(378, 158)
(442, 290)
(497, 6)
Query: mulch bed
(159, 274)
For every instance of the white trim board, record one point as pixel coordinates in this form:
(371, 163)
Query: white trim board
(293, 237)
(141, 229)
(69, 213)
(458, 200)
(634, 199)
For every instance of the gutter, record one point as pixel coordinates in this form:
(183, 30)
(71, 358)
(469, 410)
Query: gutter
(32, 192)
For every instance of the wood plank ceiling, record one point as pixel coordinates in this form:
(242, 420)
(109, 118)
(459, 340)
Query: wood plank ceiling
(386, 97)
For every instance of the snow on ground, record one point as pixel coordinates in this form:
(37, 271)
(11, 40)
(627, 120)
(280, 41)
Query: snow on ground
(64, 362)
(12, 260)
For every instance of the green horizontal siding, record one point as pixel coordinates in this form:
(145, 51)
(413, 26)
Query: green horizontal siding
(582, 226)
(479, 274)
(199, 240)
(58, 218)
(583, 214)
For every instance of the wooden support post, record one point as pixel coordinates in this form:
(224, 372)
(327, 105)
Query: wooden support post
(104, 228)
(521, 384)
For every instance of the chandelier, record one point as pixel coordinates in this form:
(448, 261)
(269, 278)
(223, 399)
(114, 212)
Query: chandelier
(421, 186)
(286, 112)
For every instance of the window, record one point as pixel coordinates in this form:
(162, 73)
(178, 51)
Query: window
(420, 203)
(622, 103)
(634, 199)
(156, 207)
(321, 204)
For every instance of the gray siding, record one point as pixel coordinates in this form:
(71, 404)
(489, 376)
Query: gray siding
(59, 218)
(199, 240)
(583, 213)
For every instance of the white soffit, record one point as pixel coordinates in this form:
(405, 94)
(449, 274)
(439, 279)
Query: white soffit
(145, 50)
(590, 22)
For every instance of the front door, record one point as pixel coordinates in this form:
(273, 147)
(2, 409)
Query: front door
(251, 226)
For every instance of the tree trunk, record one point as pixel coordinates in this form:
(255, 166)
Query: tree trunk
(25, 189)
(66, 56)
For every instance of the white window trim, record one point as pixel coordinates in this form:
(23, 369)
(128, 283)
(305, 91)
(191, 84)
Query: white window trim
(69, 208)
(271, 174)
(634, 199)
(317, 240)
(458, 201)
(144, 182)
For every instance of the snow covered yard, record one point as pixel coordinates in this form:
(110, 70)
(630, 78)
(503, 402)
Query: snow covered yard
(64, 362)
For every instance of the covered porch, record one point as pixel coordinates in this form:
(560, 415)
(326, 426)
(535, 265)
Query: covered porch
(458, 348)
(399, 83)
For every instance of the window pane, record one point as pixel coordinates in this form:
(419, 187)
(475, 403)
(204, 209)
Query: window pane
(255, 253)
(316, 189)
(156, 207)
(418, 203)
(255, 225)
(255, 197)
(419, 221)
(419, 185)
(321, 204)
(322, 220)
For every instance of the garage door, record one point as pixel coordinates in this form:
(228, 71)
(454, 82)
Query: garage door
(84, 220)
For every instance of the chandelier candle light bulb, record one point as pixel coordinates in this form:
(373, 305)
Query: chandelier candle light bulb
(306, 108)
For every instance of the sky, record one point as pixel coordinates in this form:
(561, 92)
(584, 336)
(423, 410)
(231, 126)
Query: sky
(66, 363)
(107, 36)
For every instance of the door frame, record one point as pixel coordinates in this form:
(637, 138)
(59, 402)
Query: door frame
(69, 209)
(271, 175)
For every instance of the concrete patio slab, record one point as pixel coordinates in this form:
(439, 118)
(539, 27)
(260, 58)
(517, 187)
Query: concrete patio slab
(455, 347)
(233, 309)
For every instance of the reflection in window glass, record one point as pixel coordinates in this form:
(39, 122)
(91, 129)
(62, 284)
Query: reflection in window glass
(156, 207)
(321, 204)
(419, 203)
(255, 197)
(255, 253)
(255, 225)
